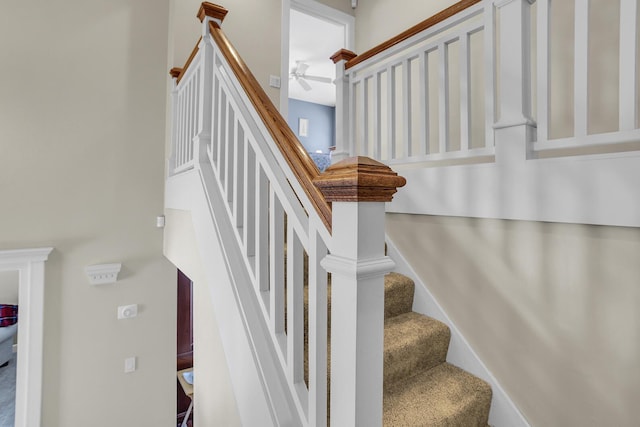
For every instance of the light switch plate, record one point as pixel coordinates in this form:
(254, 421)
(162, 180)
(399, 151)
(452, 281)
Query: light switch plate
(274, 81)
(129, 364)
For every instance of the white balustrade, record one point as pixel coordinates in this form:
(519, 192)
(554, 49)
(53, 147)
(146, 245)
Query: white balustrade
(586, 99)
(186, 120)
(418, 101)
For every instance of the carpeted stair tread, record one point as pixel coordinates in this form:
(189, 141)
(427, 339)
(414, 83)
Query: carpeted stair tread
(413, 342)
(398, 294)
(444, 396)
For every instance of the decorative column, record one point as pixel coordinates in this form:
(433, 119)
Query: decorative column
(342, 150)
(358, 188)
(207, 14)
(516, 129)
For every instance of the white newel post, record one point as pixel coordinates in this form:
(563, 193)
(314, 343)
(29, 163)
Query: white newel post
(342, 150)
(207, 13)
(515, 130)
(358, 188)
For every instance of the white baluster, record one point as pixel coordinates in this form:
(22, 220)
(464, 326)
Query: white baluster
(276, 268)
(543, 22)
(317, 327)
(581, 69)
(628, 64)
(443, 98)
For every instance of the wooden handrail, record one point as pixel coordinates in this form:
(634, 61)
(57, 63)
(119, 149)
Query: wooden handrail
(427, 23)
(177, 72)
(293, 151)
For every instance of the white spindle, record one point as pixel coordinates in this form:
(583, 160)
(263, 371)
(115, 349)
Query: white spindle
(364, 129)
(581, 68)
(489, 72)
(231, 148)
(190, 115)
(179, 131)
(219, 119)
(377, 115)
(295, 306)
(352, 143)
(249, 197)
(318, 327)
(628, 64)
(543, 73)
(215, 87)
(443, 98)
(465, 93)
(276, 266)
(262, 233)
(222, 144)
(424, 104)
(238, 175)
(391, 114)
(406, 107)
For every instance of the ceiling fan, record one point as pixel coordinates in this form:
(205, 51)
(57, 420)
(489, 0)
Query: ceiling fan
(299, 74)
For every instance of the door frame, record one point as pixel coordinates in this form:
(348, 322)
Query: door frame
(30, 266)
(317, 10)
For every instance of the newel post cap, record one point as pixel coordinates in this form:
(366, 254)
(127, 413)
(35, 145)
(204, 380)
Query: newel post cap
(175, 72)
(343, 55)
(359, 179)
(211, 10)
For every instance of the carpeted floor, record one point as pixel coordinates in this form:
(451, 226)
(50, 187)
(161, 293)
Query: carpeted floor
(8, 393)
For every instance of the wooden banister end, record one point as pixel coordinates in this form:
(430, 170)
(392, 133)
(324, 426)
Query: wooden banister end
(211, 10)
(342, 55)
(175, 72)
(359, 179)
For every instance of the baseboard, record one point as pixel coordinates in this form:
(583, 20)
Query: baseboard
(504, 412)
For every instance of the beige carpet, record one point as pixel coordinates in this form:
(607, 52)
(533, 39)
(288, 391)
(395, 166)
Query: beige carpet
(420, 388)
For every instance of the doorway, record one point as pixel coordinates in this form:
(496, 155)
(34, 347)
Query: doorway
(9, 281)
(311, 33)
(184, 344)
(29, 263)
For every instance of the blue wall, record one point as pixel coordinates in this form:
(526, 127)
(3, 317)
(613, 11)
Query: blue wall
(321, 124)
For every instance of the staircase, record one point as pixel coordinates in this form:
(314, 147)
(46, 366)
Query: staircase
(271, 222)
(420, 387)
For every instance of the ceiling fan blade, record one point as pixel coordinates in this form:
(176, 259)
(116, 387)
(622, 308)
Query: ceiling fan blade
(318, 79)
(306, 86)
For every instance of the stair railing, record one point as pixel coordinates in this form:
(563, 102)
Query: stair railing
(486, 119)
(278, 212)
(448, 87)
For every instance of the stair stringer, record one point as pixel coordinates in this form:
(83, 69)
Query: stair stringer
(259, 385)
(503, 412)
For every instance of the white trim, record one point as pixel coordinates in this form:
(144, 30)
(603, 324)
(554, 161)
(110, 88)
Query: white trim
(597, 189)
(503, 411)
(317, 10)
(30, 266)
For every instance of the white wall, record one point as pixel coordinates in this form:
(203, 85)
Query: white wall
(379, 20)
(81, 135)
(551, 309)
